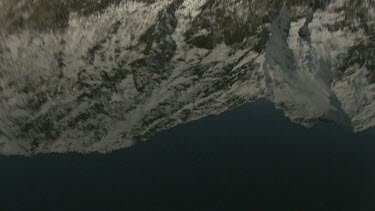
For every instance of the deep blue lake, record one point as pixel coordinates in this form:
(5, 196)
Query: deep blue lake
(249, 158)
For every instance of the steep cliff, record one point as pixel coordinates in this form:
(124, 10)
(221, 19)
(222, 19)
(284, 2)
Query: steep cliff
(91, 76)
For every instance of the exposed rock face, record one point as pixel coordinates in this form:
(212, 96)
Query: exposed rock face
(91, 76)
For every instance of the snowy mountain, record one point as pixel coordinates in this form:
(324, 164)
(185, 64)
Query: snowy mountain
(96, 76)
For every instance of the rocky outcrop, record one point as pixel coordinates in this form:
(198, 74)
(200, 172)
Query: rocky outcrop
(117, 72)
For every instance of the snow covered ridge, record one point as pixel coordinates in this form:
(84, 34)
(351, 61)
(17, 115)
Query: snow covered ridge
(107, 79)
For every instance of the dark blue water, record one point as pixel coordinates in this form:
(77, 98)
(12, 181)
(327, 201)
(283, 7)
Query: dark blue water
(250, 158)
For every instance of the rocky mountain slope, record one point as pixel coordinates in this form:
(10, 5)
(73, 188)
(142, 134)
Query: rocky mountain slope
(96, 76)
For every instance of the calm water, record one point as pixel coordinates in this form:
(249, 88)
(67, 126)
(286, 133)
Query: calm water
(250, 158)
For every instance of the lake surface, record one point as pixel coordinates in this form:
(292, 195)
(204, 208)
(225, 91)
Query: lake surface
(249, 158)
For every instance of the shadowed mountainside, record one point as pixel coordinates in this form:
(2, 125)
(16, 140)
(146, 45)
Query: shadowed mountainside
(101, 75)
